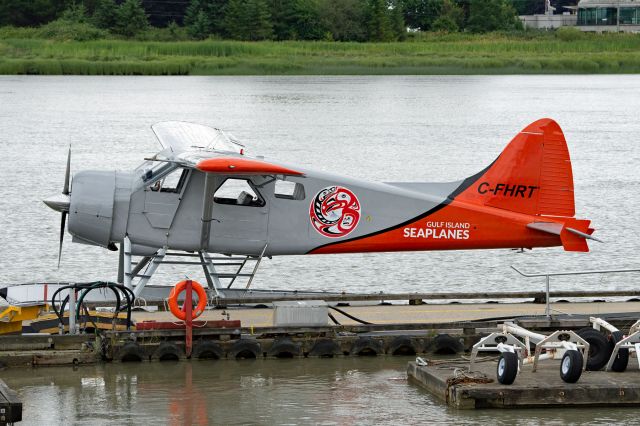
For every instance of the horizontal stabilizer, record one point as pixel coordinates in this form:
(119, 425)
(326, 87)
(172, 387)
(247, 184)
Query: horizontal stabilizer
(243, 166)
(573, 233)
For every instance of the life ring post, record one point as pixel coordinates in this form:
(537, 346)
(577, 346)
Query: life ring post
(188, 322)
(187, 313)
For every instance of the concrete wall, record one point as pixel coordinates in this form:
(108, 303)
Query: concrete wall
(548, 21)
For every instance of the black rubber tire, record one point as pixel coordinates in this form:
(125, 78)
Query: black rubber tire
(130, 352)
(622, 359)
(507, 368)
(245, 349)
(571, 366)
(599, 348)
(168, 351)
(444, 344)
(366, 346)
(284, 348)
(207, 350)
(402, 345)
(325, 348)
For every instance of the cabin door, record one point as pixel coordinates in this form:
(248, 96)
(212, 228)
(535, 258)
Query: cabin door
(240, 216)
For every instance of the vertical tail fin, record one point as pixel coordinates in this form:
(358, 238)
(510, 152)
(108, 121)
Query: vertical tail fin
(532, 175)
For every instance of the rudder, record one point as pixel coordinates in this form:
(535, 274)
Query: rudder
(532, 175)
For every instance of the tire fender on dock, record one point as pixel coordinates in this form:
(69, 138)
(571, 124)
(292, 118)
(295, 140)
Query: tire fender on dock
(402, 345)
(284, 348)
(325, 348)
(366, 346)
(245, 348)
(130, 352)
(207, 350)
(168, 351)
(445, 344)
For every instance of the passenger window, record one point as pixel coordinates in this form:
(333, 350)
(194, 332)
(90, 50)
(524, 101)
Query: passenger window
(173, 182)
(289, 190)
(237, 192)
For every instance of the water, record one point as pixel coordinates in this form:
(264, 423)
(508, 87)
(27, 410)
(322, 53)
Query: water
(435, 128)
(347, 391)
(380, 128)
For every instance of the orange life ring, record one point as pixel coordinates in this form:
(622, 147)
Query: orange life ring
(173, 300)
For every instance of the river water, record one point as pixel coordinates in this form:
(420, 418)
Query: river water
(404, 128)
(341, 391)
(409, 128)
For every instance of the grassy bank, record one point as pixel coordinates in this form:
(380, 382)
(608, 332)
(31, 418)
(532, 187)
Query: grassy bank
(520, 53)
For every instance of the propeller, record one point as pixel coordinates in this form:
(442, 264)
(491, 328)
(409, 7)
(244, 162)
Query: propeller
(65, 191)
(62, 202)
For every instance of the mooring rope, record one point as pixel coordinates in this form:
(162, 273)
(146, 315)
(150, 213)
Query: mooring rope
(462, 377)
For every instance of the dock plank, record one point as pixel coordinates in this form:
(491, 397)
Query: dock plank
(543, 388)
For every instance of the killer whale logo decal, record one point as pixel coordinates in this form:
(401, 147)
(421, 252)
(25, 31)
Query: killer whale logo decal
(335, 211)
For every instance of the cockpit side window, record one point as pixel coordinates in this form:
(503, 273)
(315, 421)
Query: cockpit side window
(238, 192)
(289, 190)
(172, 183)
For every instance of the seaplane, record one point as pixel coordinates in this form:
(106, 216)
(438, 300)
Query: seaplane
(203, 193)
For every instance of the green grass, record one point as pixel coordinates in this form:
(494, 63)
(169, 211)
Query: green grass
(517, 53)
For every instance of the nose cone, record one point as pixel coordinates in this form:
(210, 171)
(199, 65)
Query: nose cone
(59, 202)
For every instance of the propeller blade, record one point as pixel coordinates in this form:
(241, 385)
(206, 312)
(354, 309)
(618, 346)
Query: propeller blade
(62, 226)
(65, 189)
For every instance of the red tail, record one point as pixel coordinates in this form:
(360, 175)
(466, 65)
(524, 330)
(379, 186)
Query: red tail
(532, 175)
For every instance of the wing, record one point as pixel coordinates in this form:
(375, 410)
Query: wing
(243, 166)
(179, 136)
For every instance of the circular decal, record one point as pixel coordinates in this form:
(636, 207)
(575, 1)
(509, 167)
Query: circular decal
(335, 211)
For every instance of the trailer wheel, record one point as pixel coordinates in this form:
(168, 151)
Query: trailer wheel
(571, 366)
(507, 368)
(599, 348)
(622, 359)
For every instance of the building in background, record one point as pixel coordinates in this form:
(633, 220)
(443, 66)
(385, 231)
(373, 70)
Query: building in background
(611, 15)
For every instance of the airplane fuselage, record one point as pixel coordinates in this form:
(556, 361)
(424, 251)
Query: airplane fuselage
(227, 202)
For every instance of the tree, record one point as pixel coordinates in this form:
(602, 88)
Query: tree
(131, 18)
(344, 19)
(205, 17)
(420, 14)
(248, 20)
(297, 20)
(398, 26)
(30, 12)
(200, 27)
(379, 24)
(445, 24)
(75, 13)
(451, 18)
(492, 15)
(105, 14)
(192, 11)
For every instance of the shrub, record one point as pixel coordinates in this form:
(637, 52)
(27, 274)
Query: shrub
(61, 29)
(569, 34)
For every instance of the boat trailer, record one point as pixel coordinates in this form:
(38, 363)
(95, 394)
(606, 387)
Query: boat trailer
(514, 353)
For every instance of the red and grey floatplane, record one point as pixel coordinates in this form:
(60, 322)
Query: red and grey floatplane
(203, 193)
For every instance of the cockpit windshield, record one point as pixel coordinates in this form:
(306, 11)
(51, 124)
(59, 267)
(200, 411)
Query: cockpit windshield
(151, 171)
(181, 136)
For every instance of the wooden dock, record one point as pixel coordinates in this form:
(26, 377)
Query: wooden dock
(10, 405)
(233, 333)
(453, 384)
